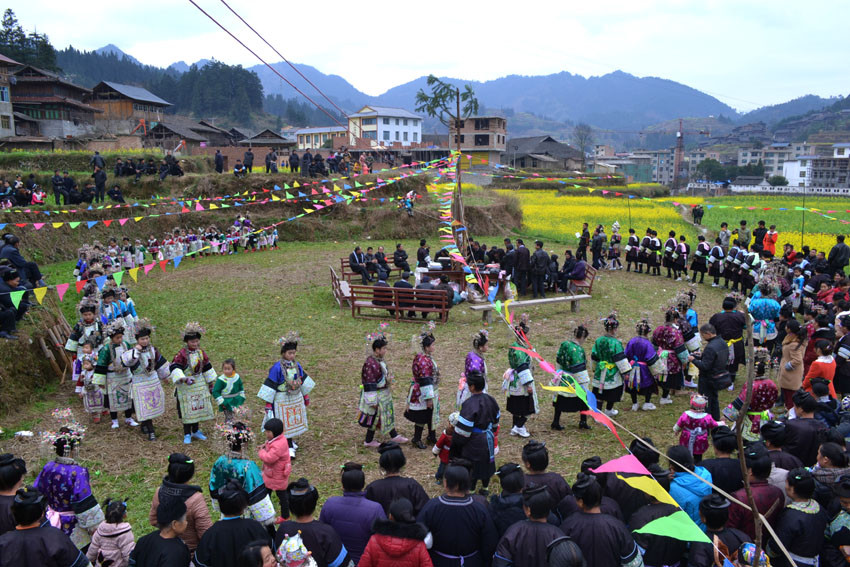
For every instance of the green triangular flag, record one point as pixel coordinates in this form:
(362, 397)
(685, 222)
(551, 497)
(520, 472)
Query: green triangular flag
(289, 195)
(16, 297)
(677, 525)
(357, 184)
(286, 186)
(118, 276)
(74, 224)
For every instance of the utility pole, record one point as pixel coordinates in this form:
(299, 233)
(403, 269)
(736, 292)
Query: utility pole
(678, 156)
(462, 237)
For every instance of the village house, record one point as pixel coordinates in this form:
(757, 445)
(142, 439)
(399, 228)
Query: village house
(541, 152)
(312, 138)
(481, 137)
(383, 126)
(54, 103)
(124, 107)
(7, 118)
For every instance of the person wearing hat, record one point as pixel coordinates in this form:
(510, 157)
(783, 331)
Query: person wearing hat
(32, 543)
(773, 434)
(714, 513)
(802, 432)
(423, 398)
(525, 543)
(10, 313)
(113, 377)
(192, 373)
(148, 368)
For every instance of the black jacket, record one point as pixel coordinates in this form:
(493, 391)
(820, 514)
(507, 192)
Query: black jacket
(523, 258)
(69, 183)
(58, 183)
(509, 261)
(248, 158)
(714, 358)
(99, 178)
(97, 160)
(399, 256)
(354, 258)
(219, 160)
(839, 256)
(539, 262)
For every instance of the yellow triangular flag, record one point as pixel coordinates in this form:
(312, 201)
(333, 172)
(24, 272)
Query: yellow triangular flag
(56, 225)
(39, 292)
(650, 486)
(295, 184)
(212, 206)
(137, 219)
(274, 198)
(134, 272)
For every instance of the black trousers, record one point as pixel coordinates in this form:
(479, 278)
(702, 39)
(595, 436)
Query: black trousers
(283, 498)
(713, 407)
(99, 194)
(522, 281)
(364, 273)
(7, 320)
(64, 194)
(538, 284)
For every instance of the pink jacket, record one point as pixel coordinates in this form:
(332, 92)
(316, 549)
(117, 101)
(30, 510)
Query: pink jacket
(111, 543)
(276, 463)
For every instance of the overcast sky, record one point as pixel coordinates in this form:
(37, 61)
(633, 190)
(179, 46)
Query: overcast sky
(747, 53)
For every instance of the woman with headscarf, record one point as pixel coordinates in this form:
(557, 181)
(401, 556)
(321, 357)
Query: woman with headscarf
(572, 362)
(610, 359)
(423, 401)
(641, 354)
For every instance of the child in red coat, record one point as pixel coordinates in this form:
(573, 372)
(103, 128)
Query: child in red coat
(443, 446)
(823, 367)
(398, 541)
(276, 464)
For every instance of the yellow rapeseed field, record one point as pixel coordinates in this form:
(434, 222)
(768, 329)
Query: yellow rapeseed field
(546, 215)
(816, 240)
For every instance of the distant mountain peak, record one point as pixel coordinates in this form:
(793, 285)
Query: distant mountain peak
(114, 49)
(182, 66)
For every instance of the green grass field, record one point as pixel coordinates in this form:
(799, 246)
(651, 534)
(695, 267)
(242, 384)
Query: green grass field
(247, 301)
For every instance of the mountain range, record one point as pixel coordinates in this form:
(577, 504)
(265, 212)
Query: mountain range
(617, 101)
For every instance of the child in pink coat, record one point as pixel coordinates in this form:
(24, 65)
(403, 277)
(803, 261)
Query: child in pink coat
(276, 464)
(693, 427)
(113, 541)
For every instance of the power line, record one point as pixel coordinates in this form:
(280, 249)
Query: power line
(279, 54)
(275, 71)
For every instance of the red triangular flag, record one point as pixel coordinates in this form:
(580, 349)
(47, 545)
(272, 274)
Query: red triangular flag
(162, 264)
(107, 222)
(80, 285)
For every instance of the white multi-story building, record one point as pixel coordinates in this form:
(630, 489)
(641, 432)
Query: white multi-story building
(315, 138)
(798, 171)
(385, 126)
(773, 156)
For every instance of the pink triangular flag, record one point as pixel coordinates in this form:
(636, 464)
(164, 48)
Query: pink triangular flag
(149, 267)
(37, 225)
(122, 221)
(624, 464)
(61, 289)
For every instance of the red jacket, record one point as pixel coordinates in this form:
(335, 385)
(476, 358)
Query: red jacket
(396, 545)
(276, 463)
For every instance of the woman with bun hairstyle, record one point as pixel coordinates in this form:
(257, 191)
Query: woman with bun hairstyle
(175, 486)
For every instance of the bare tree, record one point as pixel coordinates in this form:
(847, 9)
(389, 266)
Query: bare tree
(582, 139)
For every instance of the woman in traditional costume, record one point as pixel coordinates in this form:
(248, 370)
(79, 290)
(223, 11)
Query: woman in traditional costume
(87, 328)
(641, 354)
(233, 465)
(376, 398)
(669, 341)
(572, 362)
(286, 392)
(474, 363)
(764, 397)
(148, 368)
(611, 363)
(519, 382)
(475, 434)
(113, 377)
(423, 402)
(193, 374)
(71, 506)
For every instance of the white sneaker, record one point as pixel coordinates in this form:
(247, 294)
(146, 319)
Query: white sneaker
(635, 406)
(690, 384)
(610, 413)
(292, 453)
(648, 406)
(731, 387)
(514, 430)
(678, 279)
(523, 432)
(114, 424)
(665, 401)
(131, 422)
(715, 285)
(495, 451)
(294, 444)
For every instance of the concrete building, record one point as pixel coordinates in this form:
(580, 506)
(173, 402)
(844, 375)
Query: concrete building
(749, 183)
(482, 137)
(832, 172)
(56, 104)
(798, 171)
(312, 138)
(541, 152)
(7, 116)
(384, 126)
(695, 157)
(773, 156)
(603, 151)
(124, 107)
(660, 164)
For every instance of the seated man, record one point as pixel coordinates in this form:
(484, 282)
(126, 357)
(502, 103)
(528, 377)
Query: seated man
(87, 195)
(115, 194)
(9, 314)
(444, 285)
(357, 263)
(382, 297)
(404, 283)
(424, 283)
(578, 273)
(381, 257)
(163, 170)
(239, 169)
(371, 261)
(400, 258)
(29, 272)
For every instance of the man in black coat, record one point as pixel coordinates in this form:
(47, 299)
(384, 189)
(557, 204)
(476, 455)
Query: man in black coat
(539, 266)
(583, 243)
(59, 187)
(9, 314)
(119, 168)
(508, 263)
(99, 177)
(219, 162)
(839, 256)
(400, 258)
(711, 363)
(97, 160)
(294, 162)
(248, 160)
(357, 263)
(306, 162)
(115, 194)
(404, 283)
(29, 272)
(422, 254)
(523, 265)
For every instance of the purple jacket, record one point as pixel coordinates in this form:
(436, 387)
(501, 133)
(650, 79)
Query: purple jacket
(580, 271)
(351, 515)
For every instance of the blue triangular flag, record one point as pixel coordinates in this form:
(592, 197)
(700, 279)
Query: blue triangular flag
(591, 400)
(47, 213)
(300, 194)
(346, 186)
(91, 223)
(276, 188)
(100, 281)
(2, 226)
(177, 260)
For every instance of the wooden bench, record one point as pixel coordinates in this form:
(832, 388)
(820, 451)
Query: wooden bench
(341, 289)
(487, 308)
(348, 273)
(585, 285)
(399, 302)
(453, 275)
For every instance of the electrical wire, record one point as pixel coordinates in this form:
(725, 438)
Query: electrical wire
(279, 54)
(275, 71)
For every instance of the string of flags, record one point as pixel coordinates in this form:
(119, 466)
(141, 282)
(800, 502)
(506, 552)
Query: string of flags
(416, 167)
